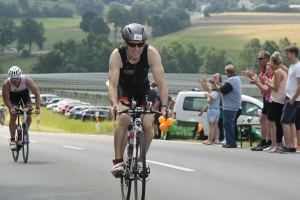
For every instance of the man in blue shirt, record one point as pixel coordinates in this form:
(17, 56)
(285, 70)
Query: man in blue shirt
(232, 99)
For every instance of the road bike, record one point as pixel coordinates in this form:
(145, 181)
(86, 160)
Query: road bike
(22, 134)
(135, 149)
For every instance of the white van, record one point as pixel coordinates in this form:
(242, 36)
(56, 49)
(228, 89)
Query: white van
(190, 103)
(44, 98)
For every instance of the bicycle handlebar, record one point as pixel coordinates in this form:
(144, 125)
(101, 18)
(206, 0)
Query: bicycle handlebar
(21, 111)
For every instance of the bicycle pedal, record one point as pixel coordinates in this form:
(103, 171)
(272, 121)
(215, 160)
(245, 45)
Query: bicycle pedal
(148, 170)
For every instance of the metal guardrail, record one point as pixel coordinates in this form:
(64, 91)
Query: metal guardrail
(91, 87)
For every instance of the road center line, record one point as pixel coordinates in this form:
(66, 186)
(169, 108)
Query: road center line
(171, 166)
(72, 147)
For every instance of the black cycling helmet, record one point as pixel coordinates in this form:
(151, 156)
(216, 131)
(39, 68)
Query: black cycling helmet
(134, 31)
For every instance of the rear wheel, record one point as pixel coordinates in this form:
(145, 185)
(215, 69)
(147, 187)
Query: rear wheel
(140, 184)
(25, 143)
(125, 180)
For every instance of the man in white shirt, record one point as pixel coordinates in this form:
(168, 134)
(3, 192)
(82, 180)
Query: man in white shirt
(292, 99)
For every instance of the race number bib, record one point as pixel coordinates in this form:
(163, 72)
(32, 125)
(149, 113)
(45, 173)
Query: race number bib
(137, 37)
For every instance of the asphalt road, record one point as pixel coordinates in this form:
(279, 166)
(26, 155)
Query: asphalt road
(73, 166)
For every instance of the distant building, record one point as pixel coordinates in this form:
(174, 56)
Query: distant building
(200, 5)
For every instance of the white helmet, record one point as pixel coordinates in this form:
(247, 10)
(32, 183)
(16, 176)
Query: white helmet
(14, 72)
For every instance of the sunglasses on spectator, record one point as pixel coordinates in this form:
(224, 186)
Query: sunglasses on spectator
(135, 44)
(260, 58)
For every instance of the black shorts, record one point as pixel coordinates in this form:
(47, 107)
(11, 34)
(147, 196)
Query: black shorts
(156, 116)
(297, 121)
(16, 98)
(140, 94)
(270, 111)
(265, 107)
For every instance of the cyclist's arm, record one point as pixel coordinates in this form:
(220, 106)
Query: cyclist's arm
(33, 88)
(115, 63)
(154, 60)
(5, 94)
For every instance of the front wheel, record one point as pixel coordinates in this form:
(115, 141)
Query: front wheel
(140, 182)
(15, 153)
(25, 143)
(125, 179)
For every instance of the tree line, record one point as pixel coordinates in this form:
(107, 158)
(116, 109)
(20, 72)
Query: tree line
(29, 32)
(92, 55)
(23, 9)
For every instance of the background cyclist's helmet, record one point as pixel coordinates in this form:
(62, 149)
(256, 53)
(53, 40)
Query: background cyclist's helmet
(14, 72)
(134, 32)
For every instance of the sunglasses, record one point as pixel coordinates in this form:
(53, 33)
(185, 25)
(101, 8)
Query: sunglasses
(260, 58)
(134, 44)
(15, 79)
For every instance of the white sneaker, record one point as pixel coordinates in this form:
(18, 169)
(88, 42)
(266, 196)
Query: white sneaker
(13, 145)
(140, 168)
(118, 170)
(223, 142)
(268, 148)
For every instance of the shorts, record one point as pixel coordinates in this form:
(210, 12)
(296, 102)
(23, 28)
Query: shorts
(140, 95)
(265, 107)
(270, 111)
(213, 115)
(297, 120)
(16, 99)
(289, 112)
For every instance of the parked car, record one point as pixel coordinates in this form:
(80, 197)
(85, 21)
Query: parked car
(46, 97)
(71, 113)
(78, 114)
(89, 114)
(67, 107)
(190, 103)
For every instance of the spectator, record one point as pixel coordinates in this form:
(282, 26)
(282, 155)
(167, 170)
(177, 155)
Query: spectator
(297, 123)
(232, 99)
(158, 105)
(213, 114)
(3, 112)
(203, 83)
(277, 87)
(153, 99)
(263, 59)
(268, 105)
(292, 99)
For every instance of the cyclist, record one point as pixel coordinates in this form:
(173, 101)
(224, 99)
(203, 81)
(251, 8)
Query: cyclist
(128, 77)
(15, 89)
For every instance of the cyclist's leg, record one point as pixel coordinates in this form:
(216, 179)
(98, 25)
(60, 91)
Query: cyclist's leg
(12, 124)
(147, 125)
(29, 118)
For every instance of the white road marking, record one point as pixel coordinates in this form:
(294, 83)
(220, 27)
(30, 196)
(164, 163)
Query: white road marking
(72, 147)
(171, 166)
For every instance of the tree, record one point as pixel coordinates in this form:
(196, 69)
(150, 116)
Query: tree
(87, 17)
(248, 56)
(48, 63)
(119, 18)
(7, 30)
(270, 46)
(31, 32)
(24, 5)
(139, 13)
(213, 60)
(98, 26)
(84, 5)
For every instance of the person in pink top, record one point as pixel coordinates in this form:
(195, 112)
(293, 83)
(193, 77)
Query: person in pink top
(292, 100)
(277, 86)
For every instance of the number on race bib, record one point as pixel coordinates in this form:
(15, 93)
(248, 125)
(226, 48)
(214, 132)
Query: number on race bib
(137, 37)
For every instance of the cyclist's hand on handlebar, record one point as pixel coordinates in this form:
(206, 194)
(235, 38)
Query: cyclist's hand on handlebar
(12, 111)
(113, 111)
(37, 111)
